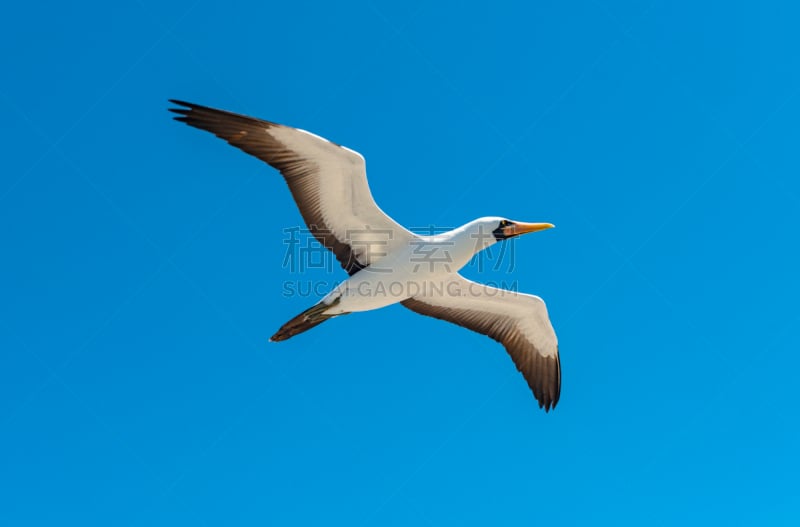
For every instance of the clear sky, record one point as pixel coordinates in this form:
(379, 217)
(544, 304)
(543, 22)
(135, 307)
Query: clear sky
(142, 265)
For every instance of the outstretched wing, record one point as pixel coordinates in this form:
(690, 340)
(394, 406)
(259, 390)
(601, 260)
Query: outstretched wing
(516, 320)
(328, 182)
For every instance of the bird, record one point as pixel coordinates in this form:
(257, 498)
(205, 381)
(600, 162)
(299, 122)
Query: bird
(387, 263)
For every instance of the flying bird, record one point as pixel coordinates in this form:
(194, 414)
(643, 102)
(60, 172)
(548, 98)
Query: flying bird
(387, 263)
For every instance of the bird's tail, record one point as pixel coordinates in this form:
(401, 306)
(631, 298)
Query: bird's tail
(306, 320)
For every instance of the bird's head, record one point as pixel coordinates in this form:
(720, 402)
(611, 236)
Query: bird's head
(504, 229)
(485, 232)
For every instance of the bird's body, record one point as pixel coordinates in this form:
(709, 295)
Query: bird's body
(426, 265)
(387, 263)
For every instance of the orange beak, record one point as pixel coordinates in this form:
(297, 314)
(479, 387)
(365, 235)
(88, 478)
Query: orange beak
(517, 228)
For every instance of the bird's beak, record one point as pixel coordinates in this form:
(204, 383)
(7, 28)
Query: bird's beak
(517, 228)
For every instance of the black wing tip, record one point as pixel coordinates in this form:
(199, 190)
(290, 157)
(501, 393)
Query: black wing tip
(548, 392)
(182, 112)
(182, 103)
(546, 403)
(198, 113)
(188, 107)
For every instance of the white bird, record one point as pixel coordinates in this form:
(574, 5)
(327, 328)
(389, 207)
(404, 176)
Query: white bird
(387, 263)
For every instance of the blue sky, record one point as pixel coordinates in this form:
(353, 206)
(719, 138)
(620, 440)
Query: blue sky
(141, 273)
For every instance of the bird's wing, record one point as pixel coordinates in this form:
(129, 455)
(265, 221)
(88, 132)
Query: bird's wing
(516, 320)
(328, 182)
